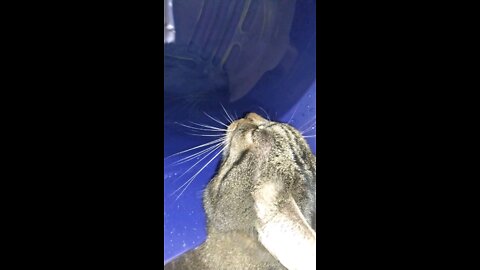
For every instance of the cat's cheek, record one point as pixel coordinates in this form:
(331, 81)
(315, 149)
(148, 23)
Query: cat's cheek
(249, 138)
(232, 127)
(263, 143)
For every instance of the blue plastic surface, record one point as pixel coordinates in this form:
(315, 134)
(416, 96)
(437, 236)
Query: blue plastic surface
(286, 94)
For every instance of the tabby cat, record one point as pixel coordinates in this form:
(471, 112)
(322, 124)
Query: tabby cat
(260, 205)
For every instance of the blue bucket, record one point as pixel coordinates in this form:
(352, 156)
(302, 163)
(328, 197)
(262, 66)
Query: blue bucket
(229, 57)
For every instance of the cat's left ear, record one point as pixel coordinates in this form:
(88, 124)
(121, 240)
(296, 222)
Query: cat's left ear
(284, 231)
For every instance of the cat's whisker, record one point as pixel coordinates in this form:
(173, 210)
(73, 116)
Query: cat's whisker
(195, 175)
(202, 129)
(207, 135)
(196, 147)
(307, 123)
(293, 114)
(229, 118)
(313, 127)
(310, 136)
(207, 126)
(190, 157)
(215, 119)
(307, 131)
(218, 146)
(191, 178)
(266, 114)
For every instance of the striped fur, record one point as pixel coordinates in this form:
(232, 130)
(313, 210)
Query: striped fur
(267, 171)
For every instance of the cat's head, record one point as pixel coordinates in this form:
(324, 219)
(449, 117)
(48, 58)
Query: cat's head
(259, 152)
(268, 140)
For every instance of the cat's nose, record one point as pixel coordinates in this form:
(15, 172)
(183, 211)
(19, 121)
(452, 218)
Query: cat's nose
(255, 118)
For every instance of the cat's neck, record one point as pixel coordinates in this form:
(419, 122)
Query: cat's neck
(237, 248)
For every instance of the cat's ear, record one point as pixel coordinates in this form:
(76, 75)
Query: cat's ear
(284, 231)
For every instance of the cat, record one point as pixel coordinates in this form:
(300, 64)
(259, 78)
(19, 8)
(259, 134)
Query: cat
(260, 205)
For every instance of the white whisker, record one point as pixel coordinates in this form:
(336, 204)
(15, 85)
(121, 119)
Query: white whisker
(207, 126)
(206, 135)
(310, 136)
(218, 146)
(215, 119)
(229, 118)
(291, 118)
(196, 147)
(202, 129)
(307, 123)
(189, 181)
(266, 114)
(190, 157)
(314, 125)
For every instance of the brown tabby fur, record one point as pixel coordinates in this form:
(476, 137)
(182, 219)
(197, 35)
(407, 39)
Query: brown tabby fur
(258, 152)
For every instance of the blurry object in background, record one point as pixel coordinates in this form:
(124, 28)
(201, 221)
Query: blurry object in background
(223, 48)
(192, 83)
(168, 23)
